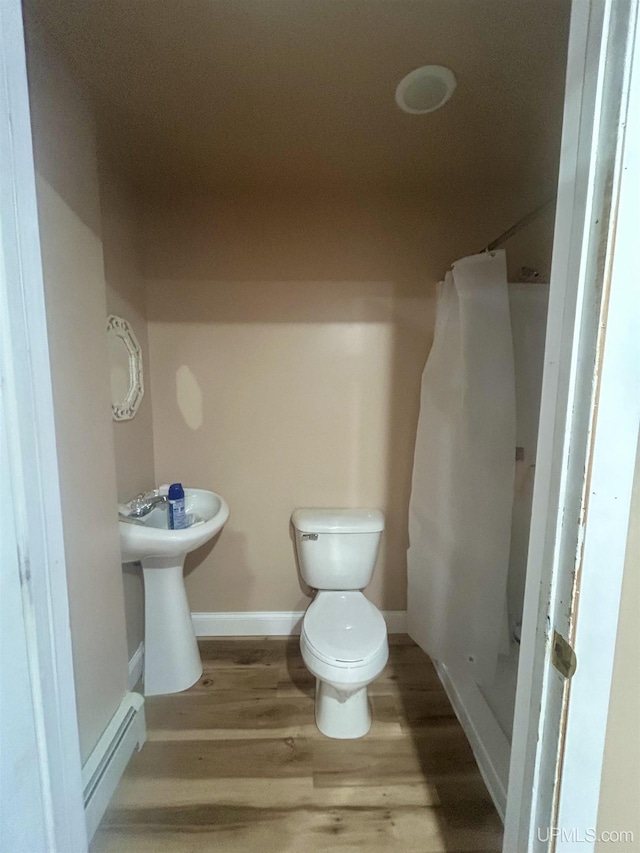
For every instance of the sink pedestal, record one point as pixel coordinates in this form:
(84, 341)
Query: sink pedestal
(172, 661)
(171, 658)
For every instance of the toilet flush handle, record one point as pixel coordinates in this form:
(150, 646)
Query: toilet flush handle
(309, 536)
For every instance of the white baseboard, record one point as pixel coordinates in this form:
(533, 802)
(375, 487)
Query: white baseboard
(136, 665)
(250, 624)
(277, 623)
(488, 742)
(100, 775)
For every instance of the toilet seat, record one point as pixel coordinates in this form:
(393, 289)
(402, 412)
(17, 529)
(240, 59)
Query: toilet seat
(344, 629)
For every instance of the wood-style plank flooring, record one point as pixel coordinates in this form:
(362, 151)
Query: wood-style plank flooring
(236, 764)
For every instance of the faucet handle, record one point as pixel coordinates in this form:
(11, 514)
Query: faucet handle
(141, 504)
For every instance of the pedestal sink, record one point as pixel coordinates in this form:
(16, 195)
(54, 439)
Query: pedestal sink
(171, 657)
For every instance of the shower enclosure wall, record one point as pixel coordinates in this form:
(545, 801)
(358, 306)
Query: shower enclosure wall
(486, 708)
(528, 307)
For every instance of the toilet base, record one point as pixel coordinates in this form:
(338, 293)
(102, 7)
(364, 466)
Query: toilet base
(341, 714)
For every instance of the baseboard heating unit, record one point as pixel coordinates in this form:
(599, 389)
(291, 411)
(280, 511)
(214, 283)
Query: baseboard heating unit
(125, 734)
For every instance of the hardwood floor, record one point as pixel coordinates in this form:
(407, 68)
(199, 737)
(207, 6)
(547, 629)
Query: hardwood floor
(236, 764)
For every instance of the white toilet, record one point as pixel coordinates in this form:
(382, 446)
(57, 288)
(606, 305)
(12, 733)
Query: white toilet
(344, 637)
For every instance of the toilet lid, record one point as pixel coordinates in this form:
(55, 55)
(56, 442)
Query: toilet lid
(344, 626)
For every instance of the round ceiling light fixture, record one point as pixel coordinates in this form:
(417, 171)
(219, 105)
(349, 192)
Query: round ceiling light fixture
(426, 89)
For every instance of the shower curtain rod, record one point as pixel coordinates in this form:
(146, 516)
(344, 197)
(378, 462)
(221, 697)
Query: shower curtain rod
(522, 223)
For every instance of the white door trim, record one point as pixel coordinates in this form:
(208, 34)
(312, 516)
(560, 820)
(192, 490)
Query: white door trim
(615, 431)
(588, 199)
(564, 299)
(24, 361)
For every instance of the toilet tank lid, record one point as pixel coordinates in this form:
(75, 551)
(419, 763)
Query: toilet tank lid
(338, 520)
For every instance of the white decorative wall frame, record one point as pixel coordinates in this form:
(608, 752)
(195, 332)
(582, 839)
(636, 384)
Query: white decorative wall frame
(125, 367)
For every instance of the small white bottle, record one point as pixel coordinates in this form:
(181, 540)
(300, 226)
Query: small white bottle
(177, 515)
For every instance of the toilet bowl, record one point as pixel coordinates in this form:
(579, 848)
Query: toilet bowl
(344, 645)
(344, 636)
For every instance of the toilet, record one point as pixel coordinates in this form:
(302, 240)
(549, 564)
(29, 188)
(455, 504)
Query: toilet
(344, 637)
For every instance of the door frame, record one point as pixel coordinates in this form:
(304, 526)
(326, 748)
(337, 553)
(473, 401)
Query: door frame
(589, 422)
(55, 780)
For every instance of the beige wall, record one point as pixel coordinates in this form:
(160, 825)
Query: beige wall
(620, 788)
(69, 214)
(287, 340)
(126, 298)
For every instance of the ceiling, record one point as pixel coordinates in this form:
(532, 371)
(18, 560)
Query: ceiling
(300, 93)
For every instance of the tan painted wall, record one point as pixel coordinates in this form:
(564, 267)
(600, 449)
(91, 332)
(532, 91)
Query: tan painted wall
(287, 341)
(126, 298)
(620, 788)
(69, 214)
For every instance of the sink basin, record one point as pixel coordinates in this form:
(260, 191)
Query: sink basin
(150, 536)
(171, 658)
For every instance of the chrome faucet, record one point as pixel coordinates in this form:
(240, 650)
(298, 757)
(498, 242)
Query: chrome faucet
(143, 503)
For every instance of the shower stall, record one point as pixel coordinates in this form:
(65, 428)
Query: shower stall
(528, 305)
(472, 496)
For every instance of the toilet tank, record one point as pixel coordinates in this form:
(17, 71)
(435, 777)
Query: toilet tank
(337, 548)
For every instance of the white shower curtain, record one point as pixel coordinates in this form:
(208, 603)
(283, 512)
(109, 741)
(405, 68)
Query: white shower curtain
(463, 476)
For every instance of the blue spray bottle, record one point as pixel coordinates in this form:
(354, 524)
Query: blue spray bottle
(177, 514)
